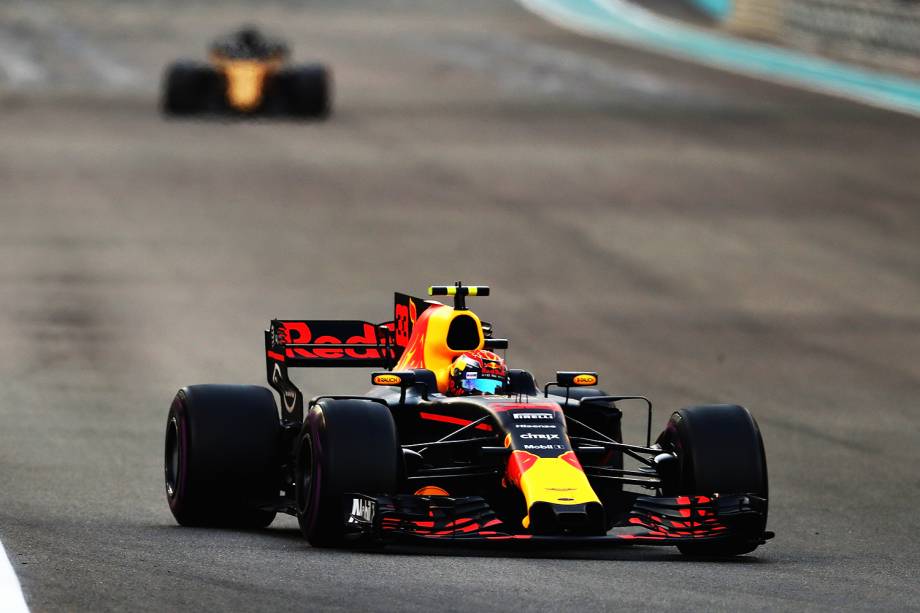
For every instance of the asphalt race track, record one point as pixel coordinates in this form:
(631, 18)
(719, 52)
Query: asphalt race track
(692, 235)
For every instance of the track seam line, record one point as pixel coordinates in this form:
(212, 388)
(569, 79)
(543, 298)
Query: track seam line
(111, 71)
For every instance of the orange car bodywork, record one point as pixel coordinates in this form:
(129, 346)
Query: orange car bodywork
(246, 79)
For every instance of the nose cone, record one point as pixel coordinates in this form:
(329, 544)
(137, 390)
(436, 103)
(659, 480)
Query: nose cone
(244, 84)
(582, 519)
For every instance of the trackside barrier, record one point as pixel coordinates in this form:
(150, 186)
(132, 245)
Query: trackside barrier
(629, 23)
(877, 33)
(757, 18)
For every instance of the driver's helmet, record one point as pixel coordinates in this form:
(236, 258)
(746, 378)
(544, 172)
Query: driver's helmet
(477, 372)
(250, 38)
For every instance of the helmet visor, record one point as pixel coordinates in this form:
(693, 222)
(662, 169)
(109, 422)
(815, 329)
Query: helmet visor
(483, 386)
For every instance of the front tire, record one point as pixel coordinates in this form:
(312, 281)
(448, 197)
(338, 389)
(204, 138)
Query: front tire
(189, 88)
(719, 450)
(307, 91)
(221, 456)
(346, 446)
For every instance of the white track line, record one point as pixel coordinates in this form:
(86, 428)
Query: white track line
(11, 598)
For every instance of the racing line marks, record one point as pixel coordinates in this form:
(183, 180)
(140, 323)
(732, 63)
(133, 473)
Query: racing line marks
(52, 29)
(11, 598)
(16, 66)
(109, 70)
(525, 66)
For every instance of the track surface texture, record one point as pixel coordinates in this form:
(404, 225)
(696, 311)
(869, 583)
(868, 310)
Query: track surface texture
(694, 236)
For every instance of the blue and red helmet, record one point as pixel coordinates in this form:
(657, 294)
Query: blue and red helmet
(476, 373)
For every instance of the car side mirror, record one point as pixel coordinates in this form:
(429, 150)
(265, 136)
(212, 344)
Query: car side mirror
(394, 378)
(403, 379)
(569, 379)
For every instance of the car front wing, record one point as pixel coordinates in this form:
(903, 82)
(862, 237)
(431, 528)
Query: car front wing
(652, 520)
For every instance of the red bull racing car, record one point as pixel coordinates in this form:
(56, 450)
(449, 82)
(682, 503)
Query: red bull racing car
(451, 446)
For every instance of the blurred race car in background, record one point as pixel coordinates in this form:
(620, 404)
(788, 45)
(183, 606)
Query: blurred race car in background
(435, 455)
(248, 74)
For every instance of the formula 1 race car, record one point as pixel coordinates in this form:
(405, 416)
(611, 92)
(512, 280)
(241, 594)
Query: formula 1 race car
(248, 74)
(475, 453)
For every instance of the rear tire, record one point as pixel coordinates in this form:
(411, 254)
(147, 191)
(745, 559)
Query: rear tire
(307, 91)
(719, 450)
(190, 88)
(346, 446)
(221, 459)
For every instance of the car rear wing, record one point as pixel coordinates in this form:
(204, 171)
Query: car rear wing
(293, 343)
(319, 343)
(323, 343)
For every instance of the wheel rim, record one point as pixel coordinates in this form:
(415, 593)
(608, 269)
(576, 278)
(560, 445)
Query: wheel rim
(305, 484)
(173, 457)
